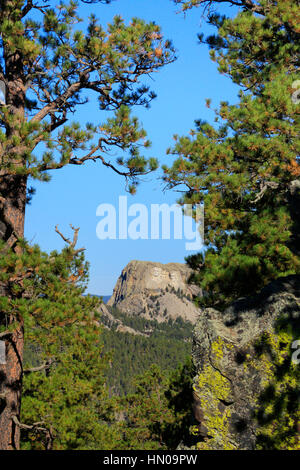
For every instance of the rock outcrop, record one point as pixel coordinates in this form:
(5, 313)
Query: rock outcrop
(156, 291)
(246, 377)
(109, 321)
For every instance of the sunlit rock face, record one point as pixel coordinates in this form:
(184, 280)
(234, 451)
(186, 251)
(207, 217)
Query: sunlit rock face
(155, 290)
(246, 391)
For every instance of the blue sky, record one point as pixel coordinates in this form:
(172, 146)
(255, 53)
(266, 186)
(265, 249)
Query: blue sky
(74, 193)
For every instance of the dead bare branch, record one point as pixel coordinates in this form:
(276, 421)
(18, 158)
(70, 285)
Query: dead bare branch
(36, 427)
(263, 189)
(46, 366)
(72, 243)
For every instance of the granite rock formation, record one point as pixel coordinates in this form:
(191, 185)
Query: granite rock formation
(239, 355)
(156, 291)
(109, 321)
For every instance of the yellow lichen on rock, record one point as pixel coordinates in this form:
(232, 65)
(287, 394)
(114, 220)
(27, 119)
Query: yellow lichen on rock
(278, 410)
(213, 390)
(248, 374)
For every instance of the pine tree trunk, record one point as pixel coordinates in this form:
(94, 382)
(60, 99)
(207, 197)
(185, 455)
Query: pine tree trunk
(13, 189)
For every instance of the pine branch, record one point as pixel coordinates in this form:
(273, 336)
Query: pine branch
(57, 103)
(45, 366)
(248, 4)
(4, 334)
(263, 189)
(36, 427)
(30, 6)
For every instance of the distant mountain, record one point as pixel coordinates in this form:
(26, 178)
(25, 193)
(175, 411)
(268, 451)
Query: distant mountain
(148, 320)
(156, 291)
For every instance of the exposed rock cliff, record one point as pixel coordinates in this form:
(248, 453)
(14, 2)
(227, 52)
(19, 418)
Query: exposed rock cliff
(109, 321)
(155, 290)
(247, 386)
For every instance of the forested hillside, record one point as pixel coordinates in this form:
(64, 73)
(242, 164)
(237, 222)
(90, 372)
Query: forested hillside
(164, 344)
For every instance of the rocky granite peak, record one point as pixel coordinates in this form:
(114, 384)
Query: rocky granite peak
(155, 290)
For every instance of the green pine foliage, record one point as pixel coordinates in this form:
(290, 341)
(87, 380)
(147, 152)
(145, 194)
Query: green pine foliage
(243, 168)
(51, 63)
(157, 414)
(71, 366)
(59, 60)
(65, 401)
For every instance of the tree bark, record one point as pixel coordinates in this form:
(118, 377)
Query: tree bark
(12, 215)
(13, 190)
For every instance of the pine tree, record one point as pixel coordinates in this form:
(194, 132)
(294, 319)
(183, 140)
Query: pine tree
(65, 403)
(146, 411)
(157, 414)
(245, 168)
(47, 64)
